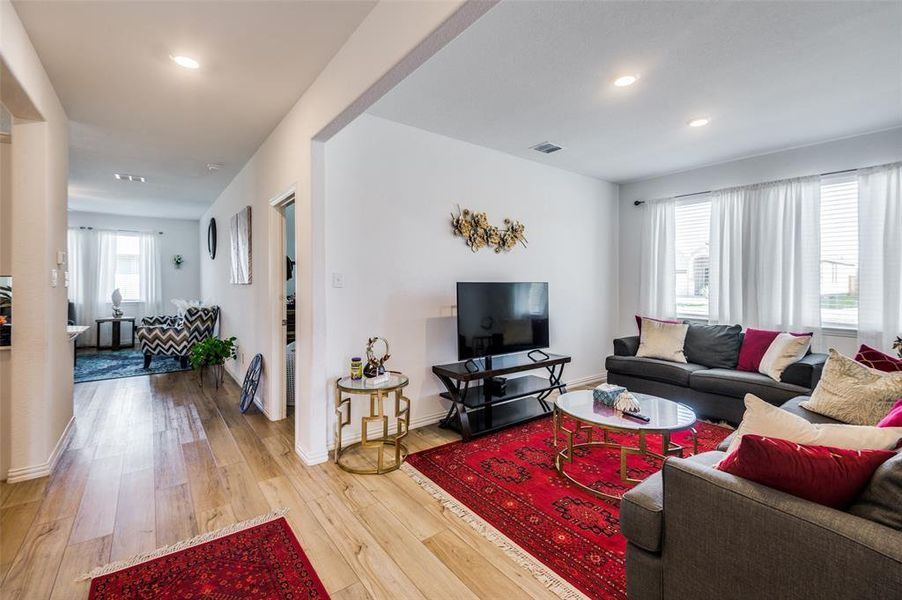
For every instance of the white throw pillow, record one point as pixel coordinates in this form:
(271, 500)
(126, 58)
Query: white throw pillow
(662, 340)
(852, 393)
(763, 418)
(785, 350)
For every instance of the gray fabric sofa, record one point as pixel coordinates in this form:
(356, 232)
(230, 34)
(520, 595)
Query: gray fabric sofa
(712, 393)
(696, 532)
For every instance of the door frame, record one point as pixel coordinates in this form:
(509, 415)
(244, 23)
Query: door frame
(277, 374)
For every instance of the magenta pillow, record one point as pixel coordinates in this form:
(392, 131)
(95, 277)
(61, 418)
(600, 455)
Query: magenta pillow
(830, 476)
(894, 417)
(639, 322)
(875, 359)
(755, 343)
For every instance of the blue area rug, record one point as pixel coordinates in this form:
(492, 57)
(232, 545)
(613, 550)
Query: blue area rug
(113, 364)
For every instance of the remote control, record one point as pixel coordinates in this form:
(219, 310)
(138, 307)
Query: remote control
(638, 416)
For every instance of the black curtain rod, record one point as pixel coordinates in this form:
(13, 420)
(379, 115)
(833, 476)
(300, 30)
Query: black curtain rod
(640, 202)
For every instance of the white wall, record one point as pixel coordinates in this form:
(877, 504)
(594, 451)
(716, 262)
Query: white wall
(390, 190)
(40, 362)
(394, 39)
(850, 153)
(180, 236)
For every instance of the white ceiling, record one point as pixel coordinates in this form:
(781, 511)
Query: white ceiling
(132, 110)
(770, 75)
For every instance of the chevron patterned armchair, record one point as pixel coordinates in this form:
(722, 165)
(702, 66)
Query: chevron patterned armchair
(173, 336)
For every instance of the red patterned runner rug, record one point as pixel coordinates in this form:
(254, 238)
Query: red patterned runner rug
(256, 559)
(506, 487)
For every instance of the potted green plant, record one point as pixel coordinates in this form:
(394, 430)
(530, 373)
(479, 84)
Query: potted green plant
(212, 352)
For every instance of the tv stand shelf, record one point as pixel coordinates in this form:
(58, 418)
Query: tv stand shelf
(476, 411)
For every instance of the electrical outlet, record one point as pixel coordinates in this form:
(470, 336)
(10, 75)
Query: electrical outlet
(338, 280)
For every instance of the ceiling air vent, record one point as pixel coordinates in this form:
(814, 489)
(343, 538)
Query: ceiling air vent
(131, 178)
(546, 147)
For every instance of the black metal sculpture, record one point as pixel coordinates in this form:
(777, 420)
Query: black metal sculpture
(251, 381)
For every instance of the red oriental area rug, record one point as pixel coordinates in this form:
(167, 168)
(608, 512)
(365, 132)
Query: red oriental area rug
(505, 485)
(262, 561)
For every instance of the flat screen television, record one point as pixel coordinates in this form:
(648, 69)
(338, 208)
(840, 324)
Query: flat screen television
(501, 318)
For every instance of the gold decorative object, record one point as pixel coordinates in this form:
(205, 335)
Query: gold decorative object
(375, 366)
(474, 227)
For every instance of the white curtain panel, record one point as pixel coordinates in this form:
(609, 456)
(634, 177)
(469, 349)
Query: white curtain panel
(765, 249)
(82, 246)
(657, 269)
(880, 255)
(728, 254)
(149, 275)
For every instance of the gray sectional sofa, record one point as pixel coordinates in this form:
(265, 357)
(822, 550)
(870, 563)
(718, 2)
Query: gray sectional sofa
(696, 532)
(713, 393)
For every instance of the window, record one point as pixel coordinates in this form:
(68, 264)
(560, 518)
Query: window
(128, 279)
(693, 224)
(839, 251)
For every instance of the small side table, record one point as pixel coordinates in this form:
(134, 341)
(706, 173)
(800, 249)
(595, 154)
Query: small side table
(116, 331)
(378, 394)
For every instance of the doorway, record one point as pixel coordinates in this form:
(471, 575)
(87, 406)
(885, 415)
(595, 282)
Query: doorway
(289, 283)
(283, 275)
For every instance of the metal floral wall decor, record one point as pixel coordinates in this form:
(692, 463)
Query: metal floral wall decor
(476, 231)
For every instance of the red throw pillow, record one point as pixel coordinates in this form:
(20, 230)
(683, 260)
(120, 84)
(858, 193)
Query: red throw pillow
(639, 322)
(830, 476)
(894, 417)
(755, 343)
(875, 359)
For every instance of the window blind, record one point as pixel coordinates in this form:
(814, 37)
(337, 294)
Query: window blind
(693, 230)
(839, 251)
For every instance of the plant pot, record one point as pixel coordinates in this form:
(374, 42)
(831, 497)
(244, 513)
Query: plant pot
(216, 370)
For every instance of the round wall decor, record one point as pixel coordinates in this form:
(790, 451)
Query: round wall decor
(251, 381)
(211, 238)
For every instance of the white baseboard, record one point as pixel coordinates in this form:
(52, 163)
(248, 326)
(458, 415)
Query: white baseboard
(310, 458)
(591, 379)
(44, 469)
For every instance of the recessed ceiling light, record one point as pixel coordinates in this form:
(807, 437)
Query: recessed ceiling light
(131, 178)
(698, 122)
(625, 80)
(185, 61)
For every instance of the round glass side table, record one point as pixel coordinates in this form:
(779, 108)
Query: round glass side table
(378, 394)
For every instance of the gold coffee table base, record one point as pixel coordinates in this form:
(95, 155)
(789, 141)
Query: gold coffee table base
(377, 415)
(566, 454)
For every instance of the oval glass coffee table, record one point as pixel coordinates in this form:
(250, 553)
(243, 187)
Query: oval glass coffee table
(665, 418)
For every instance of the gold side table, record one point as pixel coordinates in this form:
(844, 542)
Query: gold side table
(377, 414)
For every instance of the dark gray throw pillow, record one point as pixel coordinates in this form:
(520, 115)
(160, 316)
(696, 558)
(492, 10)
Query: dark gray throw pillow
(714, 346)
(879, 502)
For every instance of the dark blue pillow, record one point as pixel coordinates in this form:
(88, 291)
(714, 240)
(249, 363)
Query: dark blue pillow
(714, 346)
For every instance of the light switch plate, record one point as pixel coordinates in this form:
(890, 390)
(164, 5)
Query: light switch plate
(66, 278)
(60, 257)
(54, 277)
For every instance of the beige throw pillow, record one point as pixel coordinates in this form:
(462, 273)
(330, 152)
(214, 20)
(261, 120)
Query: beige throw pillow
(662, 340)
(785, 350)
(763, 418)
(853, 393)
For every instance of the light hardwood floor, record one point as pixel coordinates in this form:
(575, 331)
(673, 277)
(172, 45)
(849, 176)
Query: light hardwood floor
(154, 460)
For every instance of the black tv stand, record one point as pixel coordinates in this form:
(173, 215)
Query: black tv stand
(475, 410)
